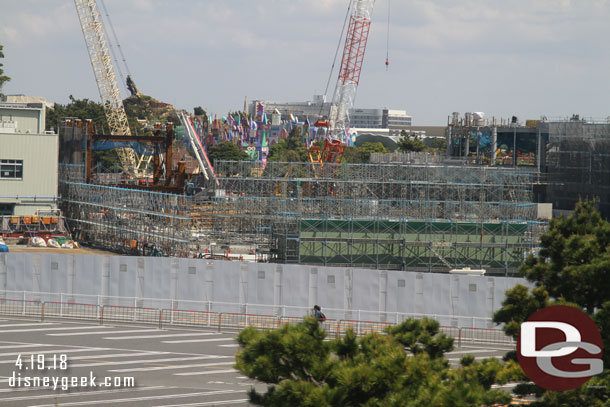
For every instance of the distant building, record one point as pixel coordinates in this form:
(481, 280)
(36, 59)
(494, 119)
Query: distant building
(313, 110)
(28, 159)
(320, 108)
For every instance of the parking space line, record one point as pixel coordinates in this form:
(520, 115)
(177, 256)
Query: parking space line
(154, 368)
(205, 403)
(30, 324)
(106, 332)
(142, 361)
(159, 336)
(37, 352)
(80, 393)
(23, 346)
(453, 352)
(207, 372)
(137, 399)
(478, 358)
(201, 340)
(63, 328)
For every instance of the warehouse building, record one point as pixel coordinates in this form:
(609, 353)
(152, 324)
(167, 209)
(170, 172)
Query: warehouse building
(28, 160)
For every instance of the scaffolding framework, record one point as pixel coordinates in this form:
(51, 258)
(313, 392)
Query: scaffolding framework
(364, 215)
(127, 220)
(578, 163)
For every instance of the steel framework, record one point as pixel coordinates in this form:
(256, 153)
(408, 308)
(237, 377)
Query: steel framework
(365, 215)
(127, 220)
(578, 164)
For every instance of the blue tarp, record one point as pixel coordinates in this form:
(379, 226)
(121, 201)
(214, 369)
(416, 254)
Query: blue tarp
(3, 248)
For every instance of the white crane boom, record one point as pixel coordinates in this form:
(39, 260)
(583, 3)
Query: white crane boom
(101, 62)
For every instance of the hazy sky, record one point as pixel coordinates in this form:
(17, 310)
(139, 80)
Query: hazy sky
(502, 57)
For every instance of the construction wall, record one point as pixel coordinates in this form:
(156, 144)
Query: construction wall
(226, 286)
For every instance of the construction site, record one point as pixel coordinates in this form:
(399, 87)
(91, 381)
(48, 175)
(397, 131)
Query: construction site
(478, 208)
(449, 215)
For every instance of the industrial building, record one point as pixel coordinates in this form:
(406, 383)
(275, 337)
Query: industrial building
(28, 160)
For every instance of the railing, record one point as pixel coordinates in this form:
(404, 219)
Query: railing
(137, 310)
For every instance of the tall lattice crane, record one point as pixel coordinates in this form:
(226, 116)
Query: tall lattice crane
(351, 65)
(101, 62)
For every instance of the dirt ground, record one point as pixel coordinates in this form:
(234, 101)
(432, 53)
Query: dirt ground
(82, 250)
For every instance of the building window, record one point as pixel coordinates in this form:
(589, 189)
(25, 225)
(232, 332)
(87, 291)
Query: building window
(11, 169)
(7, 209)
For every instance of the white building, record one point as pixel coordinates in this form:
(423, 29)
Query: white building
(320, 108)
(28, 160)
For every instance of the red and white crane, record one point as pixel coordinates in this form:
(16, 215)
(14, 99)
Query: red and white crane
(351, 66)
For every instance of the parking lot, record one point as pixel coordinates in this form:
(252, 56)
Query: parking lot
(177, 367)
(170, 367)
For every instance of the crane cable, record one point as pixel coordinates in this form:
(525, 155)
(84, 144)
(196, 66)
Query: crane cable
(349, 6)
(118, 45)
(387, 49)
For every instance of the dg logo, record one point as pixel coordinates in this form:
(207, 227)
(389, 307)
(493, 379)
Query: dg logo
(560, 348)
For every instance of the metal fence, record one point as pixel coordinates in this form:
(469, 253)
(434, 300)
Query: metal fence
(222, 316)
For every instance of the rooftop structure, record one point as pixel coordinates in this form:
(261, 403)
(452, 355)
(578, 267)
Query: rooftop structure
(28, 160)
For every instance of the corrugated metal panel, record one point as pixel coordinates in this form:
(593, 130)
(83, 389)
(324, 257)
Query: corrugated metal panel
(39, 153)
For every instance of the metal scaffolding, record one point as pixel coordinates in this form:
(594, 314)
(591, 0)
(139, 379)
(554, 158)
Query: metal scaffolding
(275, 207)
(578, 163)
(127, 220)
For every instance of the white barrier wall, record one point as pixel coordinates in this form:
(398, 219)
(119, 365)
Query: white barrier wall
(230, 286)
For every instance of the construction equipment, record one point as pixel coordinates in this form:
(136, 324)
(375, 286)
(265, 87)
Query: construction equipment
(351, 65)
(345, 89)
(103, 69)
(205, 166)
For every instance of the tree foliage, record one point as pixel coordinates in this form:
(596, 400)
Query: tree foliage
(403, 368)
(435, 144)
(226, 151)
(362, 154)
(573, 268)
(3, 78)
(408, 142)
(291, 149)
(78, 108)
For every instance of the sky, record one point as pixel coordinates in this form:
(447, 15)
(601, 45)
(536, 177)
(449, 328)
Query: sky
(528, 58)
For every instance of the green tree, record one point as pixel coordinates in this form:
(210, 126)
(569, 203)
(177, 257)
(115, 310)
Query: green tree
(198, 111)
(226, 151)
(362, 154)
(408, 142)
(3, 78)
(291, 149)
(435, 144)
(573, 268)
(83, 109)
(405, 367)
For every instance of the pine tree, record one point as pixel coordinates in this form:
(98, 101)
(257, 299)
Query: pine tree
(572, 267)
(404, 367)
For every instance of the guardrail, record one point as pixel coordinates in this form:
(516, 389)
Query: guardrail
(216, 320)
(246, 308)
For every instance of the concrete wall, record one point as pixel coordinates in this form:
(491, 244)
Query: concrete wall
(239, 286)
(38, 186)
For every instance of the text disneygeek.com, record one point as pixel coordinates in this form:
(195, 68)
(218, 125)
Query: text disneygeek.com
(46, 363)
